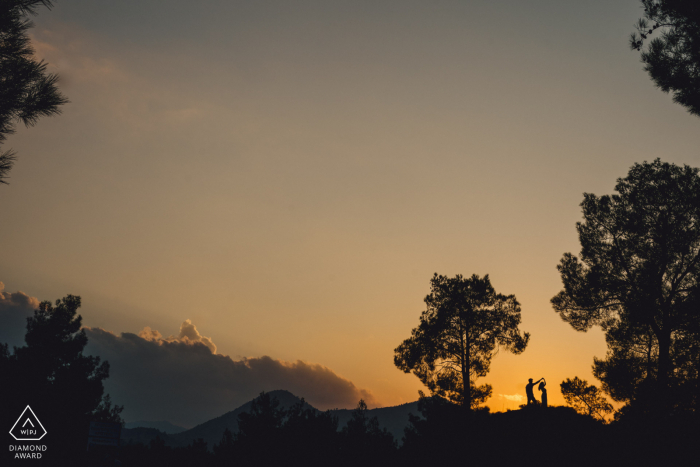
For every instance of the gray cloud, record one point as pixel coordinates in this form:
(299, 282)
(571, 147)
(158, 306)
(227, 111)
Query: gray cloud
(15, 308)
(181, 378)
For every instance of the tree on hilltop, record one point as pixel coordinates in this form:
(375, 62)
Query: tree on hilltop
(463, 326)
(638, 278)
(51, 374)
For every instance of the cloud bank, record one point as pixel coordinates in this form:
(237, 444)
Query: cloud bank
(188, 335)
(15, 308)
(181, 378)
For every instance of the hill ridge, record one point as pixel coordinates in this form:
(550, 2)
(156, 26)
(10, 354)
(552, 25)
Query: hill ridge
(394, 419)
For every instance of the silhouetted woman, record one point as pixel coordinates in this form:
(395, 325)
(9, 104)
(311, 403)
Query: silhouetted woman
(542, 388)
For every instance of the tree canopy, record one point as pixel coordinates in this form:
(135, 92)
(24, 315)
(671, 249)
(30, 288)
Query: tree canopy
(463, 326)
(51, 374)
(672, 58)
(28, 92)
(638, 278)
(585, 398)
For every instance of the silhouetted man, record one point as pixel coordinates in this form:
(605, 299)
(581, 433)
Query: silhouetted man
(528, 390)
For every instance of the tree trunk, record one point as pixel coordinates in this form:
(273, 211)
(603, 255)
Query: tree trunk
(466, 384)
(662, 377)
(696, 404)
(467, 390)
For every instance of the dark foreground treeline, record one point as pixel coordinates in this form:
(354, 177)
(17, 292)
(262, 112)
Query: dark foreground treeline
(445, 435)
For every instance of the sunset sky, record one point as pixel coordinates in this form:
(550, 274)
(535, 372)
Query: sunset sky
(289, 175)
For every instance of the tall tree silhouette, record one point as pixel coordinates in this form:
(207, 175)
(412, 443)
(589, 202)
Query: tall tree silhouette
(28, 92)
(672, 59)
(464, 324)
(638, 278)
(51, 374)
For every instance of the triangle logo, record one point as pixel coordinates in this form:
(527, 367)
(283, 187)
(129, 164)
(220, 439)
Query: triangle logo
(28, 427)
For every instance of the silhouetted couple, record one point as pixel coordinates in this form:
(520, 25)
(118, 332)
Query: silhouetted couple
(541, 387)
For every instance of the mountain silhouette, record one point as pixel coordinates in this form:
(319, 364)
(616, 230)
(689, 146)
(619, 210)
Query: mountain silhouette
(394, 419)
(212, 430)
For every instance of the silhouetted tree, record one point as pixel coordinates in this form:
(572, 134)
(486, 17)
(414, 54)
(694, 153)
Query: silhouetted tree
(159, 453)
(364, 443)
(630, 364)
(194, 454)
(51, 374)
(310, 437)
(585, 399)
(258, 431)
(437, 438)
(638, 279)
(672, 59)
(28, 92)
(224, 451)
(464, 324)
(271, 435)
(265, 417)
(686, 358)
